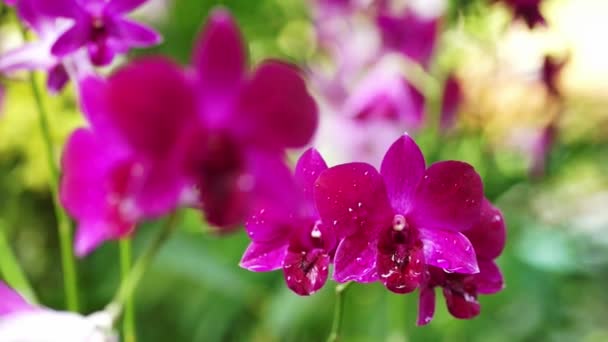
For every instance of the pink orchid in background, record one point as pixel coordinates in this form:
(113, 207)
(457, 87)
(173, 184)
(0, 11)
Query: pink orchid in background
(36, 55)
(410, 33)
(450, 103)
(488, 237)
(296, 241)
(380, 106)
(247, 122)
(526, 10)
(395, 223)
(100, 26)
(128, 165)
(21, 321)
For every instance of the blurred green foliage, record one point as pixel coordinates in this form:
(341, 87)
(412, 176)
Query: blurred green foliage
(555, 275)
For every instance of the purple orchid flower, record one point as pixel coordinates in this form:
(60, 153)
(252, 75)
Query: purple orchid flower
(410, 34)
(394, 223)
(247, 122)
(128, 165)
(36, 55)
(450, 103)
(100, 26)
(22, 321)
(461, 290)
(541, 147)
(527, 10)
(297, 241)
(157, 131)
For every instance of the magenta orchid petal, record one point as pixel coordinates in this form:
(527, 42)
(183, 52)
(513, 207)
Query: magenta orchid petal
(59, 8)
(356, 260)
(353, 198)
(461, 304)
(264, 257)
(136, 35)
(151, 119)
(306, 271)
(268, 225)
(489, 280)
(309, 167)
(123, 6)
(448, 197)
(220, 61)
(276, 108)
(93, 189)
(72, 40)
(488, 235)
(426, 305)
(57, 79)
(403, 167)
(12, 302)
(449, 250)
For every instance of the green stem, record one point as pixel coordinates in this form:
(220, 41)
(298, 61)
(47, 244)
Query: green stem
(336, 326)
(130, 282)
(11, 270)
(63, 223)
(128, 324)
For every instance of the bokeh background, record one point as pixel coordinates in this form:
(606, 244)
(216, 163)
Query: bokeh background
(556, 260)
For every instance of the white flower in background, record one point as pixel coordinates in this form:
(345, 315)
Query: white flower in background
(21, 321)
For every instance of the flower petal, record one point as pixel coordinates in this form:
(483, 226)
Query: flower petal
(356, 260)
(402, 168)
(264, 257)
(219, 58)
(448, 250)
(448, 197)
(268, 224)
(353, 198)
(426, 305)
(488, 235)
(306, 272)
(135, 34)
(90, 235)
(71, 40)
(461, 304)
(58, 8)
(57, 79)
(30, 56)
(12, 302)
(489, 280)
(151, 104)
(123, 6)
(309, 167)
(275, 108)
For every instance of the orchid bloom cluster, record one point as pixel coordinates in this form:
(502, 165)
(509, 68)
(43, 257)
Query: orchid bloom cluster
(211, 136)
(73, 36)
(407, 226)
(214, 136)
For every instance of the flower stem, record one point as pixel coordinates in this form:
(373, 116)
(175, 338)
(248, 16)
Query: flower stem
(130, 282)
(128, 326)
(63, 223)
(11, 270)
(336, 326)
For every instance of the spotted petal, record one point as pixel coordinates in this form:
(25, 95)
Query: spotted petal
(448, 250)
